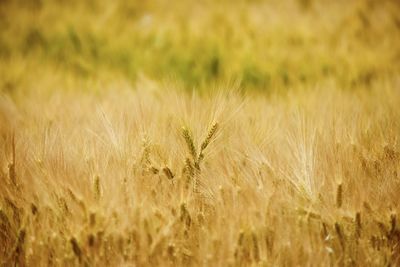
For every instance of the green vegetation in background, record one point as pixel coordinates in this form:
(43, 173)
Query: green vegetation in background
(263, 44)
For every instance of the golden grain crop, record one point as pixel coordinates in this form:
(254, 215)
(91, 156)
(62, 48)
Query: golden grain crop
(259, 133)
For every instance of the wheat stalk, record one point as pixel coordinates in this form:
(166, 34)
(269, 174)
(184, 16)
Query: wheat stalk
(340, 234)
(339, 196)
(189, 142)
(11, 167)
(256, 249)
(97, 187)
(358, 225)
(76, 248)
(167, 171)
(209, 137)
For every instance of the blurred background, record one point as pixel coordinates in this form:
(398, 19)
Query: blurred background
(262, 45)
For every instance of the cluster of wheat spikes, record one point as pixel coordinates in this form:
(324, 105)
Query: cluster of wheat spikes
(192, 166)
(310, 178)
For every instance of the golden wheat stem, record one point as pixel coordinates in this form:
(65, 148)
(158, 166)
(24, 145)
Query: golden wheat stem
(339, 196)
(189, 142)
(340, 234)
(358, 225)
(210, 135)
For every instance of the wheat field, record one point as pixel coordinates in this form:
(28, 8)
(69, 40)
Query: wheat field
(210, 133)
